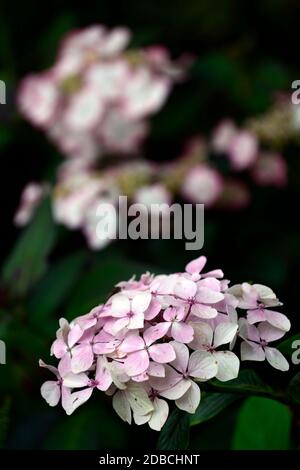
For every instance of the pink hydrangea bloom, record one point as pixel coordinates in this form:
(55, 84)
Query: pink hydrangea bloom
(98, 96)
(158, 338)
(203, 184)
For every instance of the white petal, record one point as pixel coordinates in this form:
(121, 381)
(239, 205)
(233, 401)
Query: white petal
(75, 380)
(202, 365)
(252, 352)
(203, 335)
(122, 407)
(50, 391)
(224, 333)
(190, 400)
(228, 365)
(177, 391)
(159, 414)
(276, 359)
(138, 398)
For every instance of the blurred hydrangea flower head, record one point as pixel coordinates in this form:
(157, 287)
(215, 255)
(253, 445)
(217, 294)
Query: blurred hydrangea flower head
(98, 95)
(158, 338)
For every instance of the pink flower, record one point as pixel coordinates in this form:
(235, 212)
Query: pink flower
(125, 347)
(257, 300)
(127, 312)
(38, 99)
(198, 298)
(207, 339)
(179, 382)
(202, 184)
(242, 150)
(139, 349)
(255, 346)
(179, 330)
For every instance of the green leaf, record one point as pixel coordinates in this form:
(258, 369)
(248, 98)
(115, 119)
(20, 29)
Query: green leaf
(54, 288)
(28, 261)
(293, 389)
(247, 381)
(4, 417)
(286, 346)
(176, 432)
(263, 424)
(211, 405)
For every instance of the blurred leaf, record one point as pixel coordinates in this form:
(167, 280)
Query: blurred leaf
(263, 424)
(175, 433)
(286, 346)
(54, 288)
(293, 389)
(93, 427)
(247, 381)
(28, 260)
(211, 405)
(4, 417)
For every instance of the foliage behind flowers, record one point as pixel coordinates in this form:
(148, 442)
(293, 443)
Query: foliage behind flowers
(160, 335)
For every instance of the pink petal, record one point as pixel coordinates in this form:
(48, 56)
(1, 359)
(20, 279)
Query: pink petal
(136, 363)
(64, 365)
(75, 380)
(59, 348)
(170, 314)
(269, 332)
(132, 342)
(256, 315)
(103, 376)
(203, 311)
(82, 358)
(153, 310)
(278, 320)
(156, 370)
(185, 289)
(74, 335)
(182, 356)
(252, 352)
(196, 266)
(182, 332)
(50, 391)
(141, 302)
(136, 321)
(171, 378)
(156, 332)
(189, 402)
(162, 353)
(208, 296)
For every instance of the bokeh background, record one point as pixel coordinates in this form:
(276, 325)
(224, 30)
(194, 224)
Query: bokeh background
(245, 52)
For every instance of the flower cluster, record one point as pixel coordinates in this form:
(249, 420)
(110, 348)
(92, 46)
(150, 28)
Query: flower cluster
(97, 96)
(198, 177)
(158, 337)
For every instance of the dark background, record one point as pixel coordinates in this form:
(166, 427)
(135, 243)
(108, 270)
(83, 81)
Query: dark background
(245, 52)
